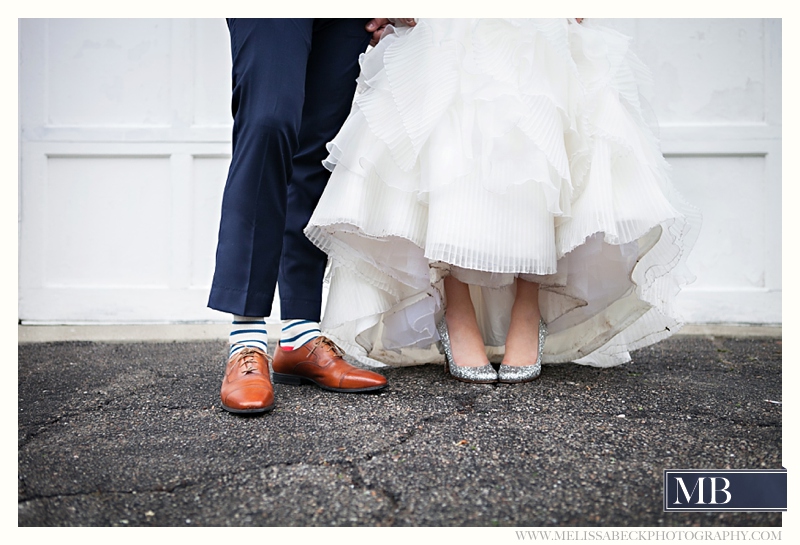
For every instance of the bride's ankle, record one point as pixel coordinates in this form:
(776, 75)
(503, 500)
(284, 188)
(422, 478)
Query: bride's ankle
(466, 341)
(522, 344)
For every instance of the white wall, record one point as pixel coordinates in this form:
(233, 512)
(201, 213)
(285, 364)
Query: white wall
(125, 142)
(717, 96)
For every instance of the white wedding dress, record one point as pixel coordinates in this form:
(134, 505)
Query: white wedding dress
(492, 149)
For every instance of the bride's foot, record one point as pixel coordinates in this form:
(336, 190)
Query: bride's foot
(522, 361)
(522, 341)
(466, 342)
(525, 372)
(482, 373)
(465, 354)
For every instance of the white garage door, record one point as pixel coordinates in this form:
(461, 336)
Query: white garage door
(125, 141)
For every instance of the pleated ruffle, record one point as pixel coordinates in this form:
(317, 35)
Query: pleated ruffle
(495, 149)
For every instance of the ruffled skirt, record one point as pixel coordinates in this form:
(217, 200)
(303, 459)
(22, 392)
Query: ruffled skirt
(494, 150)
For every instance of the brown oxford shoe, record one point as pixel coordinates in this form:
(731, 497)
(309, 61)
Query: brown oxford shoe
(246, 387)
(321, 362)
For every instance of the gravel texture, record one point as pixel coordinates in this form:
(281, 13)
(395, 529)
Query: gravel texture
(132, 434)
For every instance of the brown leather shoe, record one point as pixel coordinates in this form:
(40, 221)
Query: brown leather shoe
(246, 387)
(321, 362)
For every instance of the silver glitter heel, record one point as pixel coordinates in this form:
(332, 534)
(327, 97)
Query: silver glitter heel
(512, 374)
(485, 374)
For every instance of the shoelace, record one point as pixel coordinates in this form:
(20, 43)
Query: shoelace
(248, 358)
(327, 343)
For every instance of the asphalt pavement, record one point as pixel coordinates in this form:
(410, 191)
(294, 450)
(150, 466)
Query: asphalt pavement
(132, 434)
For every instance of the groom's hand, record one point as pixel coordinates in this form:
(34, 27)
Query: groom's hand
(403, 22)
(377, 26)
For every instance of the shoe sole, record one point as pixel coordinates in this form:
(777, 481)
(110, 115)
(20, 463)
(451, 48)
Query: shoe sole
(451, 375)
(247, 411)
(473, 381)
(293, 380)
(518, 381)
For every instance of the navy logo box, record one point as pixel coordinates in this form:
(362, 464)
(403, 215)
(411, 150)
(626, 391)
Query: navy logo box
(725, 490)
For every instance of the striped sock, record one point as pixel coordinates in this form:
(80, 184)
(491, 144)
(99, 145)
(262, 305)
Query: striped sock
(296, 333)
(246, 331)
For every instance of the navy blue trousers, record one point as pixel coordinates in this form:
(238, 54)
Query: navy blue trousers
(293, 85)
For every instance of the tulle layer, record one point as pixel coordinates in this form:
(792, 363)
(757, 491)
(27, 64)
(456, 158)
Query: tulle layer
(491, 150)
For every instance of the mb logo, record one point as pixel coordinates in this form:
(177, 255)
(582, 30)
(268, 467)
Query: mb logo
(714, 486)
(725, 490)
